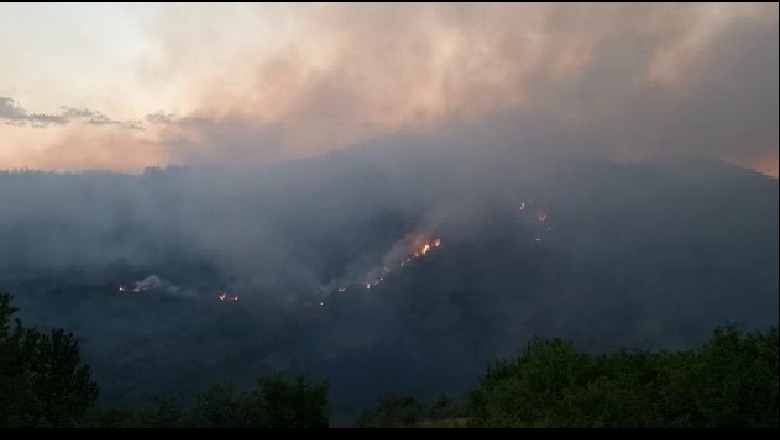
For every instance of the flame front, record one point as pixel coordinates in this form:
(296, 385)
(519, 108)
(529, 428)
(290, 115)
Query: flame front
(223, 296)
(422, 245)
(418, 247)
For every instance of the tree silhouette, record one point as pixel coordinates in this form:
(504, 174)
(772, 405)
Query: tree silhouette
(42, 381)
(730, 381)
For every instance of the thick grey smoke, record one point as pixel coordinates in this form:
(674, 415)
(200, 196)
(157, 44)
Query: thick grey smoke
(631, 81)
(635, 82)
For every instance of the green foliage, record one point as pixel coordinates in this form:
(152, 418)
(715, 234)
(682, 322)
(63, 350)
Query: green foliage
(41, 380)
(394, 411)
(221, 406)
(522, 392)
(103, 417)
(731, 381)
(278, 401)
(163, 412)
(292, 402)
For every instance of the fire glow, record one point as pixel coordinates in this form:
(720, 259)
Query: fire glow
(419, 246)
(137, 288)
(223, 296)
(422, 246)
(416, 247)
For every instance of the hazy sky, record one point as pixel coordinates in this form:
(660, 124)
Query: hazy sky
(122, 86)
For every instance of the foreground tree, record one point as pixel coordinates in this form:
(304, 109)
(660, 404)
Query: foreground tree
(291, 401)
(221, 406)
(396, 411)
(278, 401)
(393, 411)
(42, 380)
(730, 381)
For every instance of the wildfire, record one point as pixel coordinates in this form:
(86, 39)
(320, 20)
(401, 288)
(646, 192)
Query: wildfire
(223, 296)
(413, 247)
(137, 288)
(419, 247)
(423, 250)
(538, 216)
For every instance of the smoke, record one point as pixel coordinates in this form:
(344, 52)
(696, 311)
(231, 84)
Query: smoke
(155, 284)
(629, 81)
(641, 256)
(361, 274)
(447, 120)
(256, 84)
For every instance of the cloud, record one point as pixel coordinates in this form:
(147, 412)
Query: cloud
(18, 116)
(70, 112)
(101, 119)
(160, 117)
(39, 120)
(135, 125)
(13, 114)
(9, 110)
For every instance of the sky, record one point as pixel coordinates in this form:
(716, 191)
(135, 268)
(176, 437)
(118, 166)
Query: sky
(122, 86)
